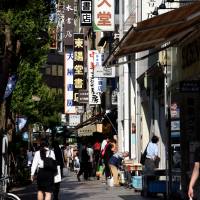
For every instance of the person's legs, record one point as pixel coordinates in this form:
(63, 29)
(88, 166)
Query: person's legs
(107, 170)
(80, 171)
(67, 163)
(40, 195)
(47, 196)
(56, 191)
(114, 172)
(86, 171)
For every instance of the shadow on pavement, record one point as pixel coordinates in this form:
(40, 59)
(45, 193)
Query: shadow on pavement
(139, 197)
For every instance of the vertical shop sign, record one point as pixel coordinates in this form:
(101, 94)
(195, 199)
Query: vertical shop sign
(104, 15)
(99, 83)
(53, 37)
(78, 64)
(69, 85)
(69, 22)
(86, 13)
(94, 97)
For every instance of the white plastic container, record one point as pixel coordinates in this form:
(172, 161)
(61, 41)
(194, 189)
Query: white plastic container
(110, 182)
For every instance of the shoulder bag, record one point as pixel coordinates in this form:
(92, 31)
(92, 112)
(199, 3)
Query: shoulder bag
(50, 164)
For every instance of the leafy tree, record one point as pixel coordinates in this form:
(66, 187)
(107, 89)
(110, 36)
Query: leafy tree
(30, 84)
(24, 44)
(23, 34)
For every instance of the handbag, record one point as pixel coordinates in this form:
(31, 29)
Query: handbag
(143, 156)
(50, 164)
(57, 177)
(157, 161)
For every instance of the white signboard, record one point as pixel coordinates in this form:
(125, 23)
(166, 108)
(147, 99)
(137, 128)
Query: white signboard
(99, 83)
(104, 15)
(94, 97)
(69, 84)
(103, 72)
(74, 120)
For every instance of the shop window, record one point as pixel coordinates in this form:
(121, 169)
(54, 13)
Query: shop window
(60, 91)
(54, 90)
(60, 70)
(54, 70)
(48, 71)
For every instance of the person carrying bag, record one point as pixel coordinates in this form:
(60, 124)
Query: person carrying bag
(43, 163)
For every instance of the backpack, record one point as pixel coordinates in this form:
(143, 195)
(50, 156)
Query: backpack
(50, 164)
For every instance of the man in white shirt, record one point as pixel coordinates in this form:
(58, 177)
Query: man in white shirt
(152, 154)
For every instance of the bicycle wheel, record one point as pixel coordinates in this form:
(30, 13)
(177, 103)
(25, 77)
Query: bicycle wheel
(10, 196)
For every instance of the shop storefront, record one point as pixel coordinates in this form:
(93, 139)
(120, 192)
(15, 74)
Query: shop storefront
(185, 105)
(181, 88)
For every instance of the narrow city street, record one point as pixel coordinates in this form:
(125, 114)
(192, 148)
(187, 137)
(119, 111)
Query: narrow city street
(71, 189)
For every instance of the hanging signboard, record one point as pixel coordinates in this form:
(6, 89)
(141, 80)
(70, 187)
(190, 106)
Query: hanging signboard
(53, 37)
(86, 13)
(104, 15)
(69, 84)
(94, 97)
(74, 120)
(69, 23)
(103, 72)
(99, 83)
(78, 64)
(83, 96)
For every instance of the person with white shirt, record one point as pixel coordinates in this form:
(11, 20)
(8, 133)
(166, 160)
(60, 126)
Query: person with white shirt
(152, 154)
(45, 178)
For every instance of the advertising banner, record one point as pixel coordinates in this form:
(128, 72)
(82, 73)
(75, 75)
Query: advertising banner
(104, 15)
(78, 64)
(53, 36)
(74, 120)
(99, 83)
(69, 23)
(69, 83)
(94, 97)
(86, 13)
(83, 96)
(10, 85)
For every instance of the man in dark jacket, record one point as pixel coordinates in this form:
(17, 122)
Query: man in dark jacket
(83, 163)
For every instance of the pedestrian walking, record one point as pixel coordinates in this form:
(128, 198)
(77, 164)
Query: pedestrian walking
(60, 164)
(67, 156)
(96, 150)
(107, 154)
(192, 191)
(45, 178)
(83, 163)
(90, 161)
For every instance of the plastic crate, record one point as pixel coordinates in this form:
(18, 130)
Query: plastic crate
(160, 186)
(137, 182)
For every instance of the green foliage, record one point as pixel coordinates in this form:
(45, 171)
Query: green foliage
(28, 22)
(30, 84)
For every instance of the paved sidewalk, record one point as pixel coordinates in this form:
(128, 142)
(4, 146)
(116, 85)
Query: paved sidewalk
(85, 190)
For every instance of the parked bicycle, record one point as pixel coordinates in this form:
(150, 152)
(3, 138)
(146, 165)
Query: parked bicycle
(4, 195)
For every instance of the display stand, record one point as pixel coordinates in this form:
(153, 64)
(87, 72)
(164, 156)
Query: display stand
(133, 174)
(157, 184)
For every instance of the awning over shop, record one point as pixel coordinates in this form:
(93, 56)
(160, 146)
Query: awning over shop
(87, 130)
(91, 120)
(160, 31)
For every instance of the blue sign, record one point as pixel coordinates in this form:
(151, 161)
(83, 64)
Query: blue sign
(10, 85)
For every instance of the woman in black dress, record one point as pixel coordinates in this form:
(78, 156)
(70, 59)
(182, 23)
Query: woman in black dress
(45, 178)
